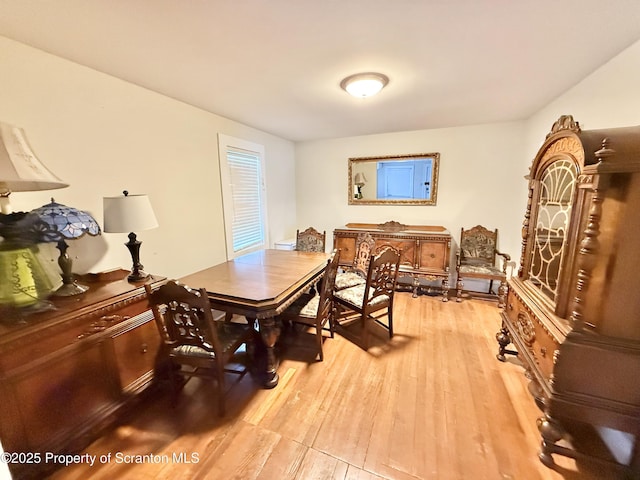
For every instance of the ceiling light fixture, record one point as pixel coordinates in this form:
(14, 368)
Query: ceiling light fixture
(364, 84)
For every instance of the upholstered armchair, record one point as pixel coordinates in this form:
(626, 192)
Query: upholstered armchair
(477, 258)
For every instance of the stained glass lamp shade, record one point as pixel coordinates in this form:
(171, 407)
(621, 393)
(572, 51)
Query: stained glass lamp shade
(61, 223)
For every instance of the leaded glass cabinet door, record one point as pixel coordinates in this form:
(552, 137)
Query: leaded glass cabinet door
(556, 193)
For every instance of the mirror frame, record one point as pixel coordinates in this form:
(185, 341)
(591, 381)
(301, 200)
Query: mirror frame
(363, 201)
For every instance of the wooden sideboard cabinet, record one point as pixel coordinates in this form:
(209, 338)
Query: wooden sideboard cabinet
(66, 373)
(573, 311)
(426, 250)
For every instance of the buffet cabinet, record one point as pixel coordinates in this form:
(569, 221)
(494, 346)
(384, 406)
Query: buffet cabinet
(572, 311)
(68, 372)
(426, 250)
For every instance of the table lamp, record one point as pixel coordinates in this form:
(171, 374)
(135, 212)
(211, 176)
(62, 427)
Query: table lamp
(61, 223)
(23, 280)
(20, 169)
(127, 213)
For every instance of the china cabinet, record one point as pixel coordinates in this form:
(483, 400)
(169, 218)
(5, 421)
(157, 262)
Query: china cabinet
(572, 311)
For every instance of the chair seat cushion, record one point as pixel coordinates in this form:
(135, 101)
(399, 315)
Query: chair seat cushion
(355, 296)
(191, 351)
(481, 270)
(306, 306)
(348, 279)
(229, 335)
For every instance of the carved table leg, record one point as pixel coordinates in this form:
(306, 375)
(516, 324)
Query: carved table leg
(504, 338)
(445, 289)
(416, 286)
(269, 333)
(459, 285)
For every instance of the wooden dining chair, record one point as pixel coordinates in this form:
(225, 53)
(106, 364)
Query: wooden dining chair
(374, 299)
(310, 240)
(356, 273)
(316, 310)
(197, 345)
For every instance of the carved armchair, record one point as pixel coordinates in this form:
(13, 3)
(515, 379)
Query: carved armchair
(477, 258)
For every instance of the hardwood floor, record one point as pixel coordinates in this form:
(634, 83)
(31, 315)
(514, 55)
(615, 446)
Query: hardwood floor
(432, 403)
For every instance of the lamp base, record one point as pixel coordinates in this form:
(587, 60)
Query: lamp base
(138, 276)
(70, 289)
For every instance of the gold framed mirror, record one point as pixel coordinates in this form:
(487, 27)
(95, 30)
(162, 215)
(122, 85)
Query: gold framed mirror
(394, 180)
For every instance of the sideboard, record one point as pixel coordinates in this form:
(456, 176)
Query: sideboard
(425, 249)
(67, 372)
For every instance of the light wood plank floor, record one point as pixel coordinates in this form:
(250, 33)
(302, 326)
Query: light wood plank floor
(433, 403)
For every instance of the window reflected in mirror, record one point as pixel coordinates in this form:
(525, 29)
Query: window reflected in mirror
(398, 179)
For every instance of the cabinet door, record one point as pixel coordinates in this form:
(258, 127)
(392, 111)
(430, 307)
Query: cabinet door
(433, 255)
(41, 410)
(136, 352)
(347, 247)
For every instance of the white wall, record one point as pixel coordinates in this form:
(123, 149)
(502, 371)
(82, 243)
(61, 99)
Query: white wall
(103, 135)
(608, 98)
(482, 167)
(480, 182)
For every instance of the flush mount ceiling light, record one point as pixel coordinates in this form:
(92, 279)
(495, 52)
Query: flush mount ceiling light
(364, 84)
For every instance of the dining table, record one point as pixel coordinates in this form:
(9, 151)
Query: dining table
(259, 286)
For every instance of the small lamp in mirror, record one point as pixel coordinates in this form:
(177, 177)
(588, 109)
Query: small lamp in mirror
(127, 213)
(359, 182)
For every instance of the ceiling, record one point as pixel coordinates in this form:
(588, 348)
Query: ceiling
(276, 65)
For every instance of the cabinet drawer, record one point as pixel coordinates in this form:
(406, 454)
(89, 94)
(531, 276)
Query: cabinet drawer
(136, 350)
(46, 341)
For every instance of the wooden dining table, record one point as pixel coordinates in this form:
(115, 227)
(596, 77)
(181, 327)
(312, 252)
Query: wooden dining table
(259, 286)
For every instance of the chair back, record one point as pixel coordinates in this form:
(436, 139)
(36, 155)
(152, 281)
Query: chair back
(478, 246)
(365, 244)
(310, 240)
(325, 304)
(382, 275)
(183, 316)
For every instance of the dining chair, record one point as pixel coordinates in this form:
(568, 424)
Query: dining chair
(197, 345)
(374, 299)
(316, 310)
(478, 258)
(310, 240)
(356, 273)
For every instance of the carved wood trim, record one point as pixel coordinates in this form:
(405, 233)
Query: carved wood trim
(392, 226)
(587, 257)
(565, 122)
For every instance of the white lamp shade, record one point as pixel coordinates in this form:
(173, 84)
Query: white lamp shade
(20, 169)
(128, 213)
(360, 179)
